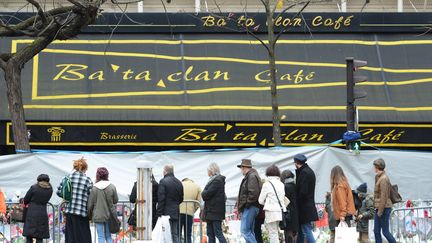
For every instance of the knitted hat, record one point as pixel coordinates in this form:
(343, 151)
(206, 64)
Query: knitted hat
(362, 188)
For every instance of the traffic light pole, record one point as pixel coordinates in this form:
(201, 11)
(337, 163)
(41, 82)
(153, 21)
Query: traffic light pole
(351, 111)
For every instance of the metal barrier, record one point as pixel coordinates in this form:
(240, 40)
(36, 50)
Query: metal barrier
(11, 231)
(411, 224)
(194, 232)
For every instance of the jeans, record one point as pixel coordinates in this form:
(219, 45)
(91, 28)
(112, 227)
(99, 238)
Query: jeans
(103, 233)
(174, 224)
(305, 231)
(247, 224)
(383, 223)
(214, 230)
(257, 229)
(186, 222)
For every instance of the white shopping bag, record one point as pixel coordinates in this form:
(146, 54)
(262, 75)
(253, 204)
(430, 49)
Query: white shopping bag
(162, 231)
(345, 234)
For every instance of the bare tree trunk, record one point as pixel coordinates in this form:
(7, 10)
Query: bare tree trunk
(16, 108)
(273, 85)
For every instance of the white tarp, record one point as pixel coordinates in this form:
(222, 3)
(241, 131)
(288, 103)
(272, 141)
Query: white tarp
(410, 170)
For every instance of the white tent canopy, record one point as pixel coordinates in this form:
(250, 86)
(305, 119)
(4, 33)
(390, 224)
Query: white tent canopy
(410, 170)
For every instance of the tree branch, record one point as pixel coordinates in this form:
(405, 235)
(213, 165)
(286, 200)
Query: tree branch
(286, 27)
(80, 3)
(39, 9)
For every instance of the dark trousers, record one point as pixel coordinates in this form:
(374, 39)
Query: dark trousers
(186, 222)
(289, 236)
(30, 240)
(77, 229)
(383, 223)
(214, 230)
(257, 230)
(174, 224)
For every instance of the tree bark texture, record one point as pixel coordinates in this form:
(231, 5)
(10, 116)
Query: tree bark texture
(16, 108)
(273, 84)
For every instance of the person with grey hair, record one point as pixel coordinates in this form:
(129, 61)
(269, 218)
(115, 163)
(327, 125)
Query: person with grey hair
(214, 204)
(170, 195)
(382, 203)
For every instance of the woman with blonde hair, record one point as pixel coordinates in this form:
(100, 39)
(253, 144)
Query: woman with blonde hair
(341, 196)
(77, 222)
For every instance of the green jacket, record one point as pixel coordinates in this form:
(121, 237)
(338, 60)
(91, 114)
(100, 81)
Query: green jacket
(102, 200)
(367, 210)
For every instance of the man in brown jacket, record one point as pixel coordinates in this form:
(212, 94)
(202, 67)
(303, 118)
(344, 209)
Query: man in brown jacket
(382, 203)
(247, 202)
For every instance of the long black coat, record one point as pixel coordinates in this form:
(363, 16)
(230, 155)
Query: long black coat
(305, 182)
(214, 198)
(36, 221)
(133, 198)
(170, 195)
(290, 193)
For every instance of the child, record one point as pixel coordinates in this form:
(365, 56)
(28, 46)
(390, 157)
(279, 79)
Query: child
(365, 212)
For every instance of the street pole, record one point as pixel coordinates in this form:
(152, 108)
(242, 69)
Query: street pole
(144, 201)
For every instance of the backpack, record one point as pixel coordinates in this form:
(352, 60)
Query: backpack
(66, 189)
(395, 197)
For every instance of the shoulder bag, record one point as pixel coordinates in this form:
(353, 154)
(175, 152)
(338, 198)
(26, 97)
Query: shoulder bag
(286, 216)
(113, 221)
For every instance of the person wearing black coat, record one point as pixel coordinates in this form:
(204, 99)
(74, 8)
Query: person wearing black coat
(133, 198)
(214, 204)
(305, 183)
(170, 195)
(36, 218)
(287, 177)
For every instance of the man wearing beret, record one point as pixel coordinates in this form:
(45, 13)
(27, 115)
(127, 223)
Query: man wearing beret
(305, 182)
(247, 201)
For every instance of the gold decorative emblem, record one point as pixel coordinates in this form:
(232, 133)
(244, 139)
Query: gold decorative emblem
(56, 133)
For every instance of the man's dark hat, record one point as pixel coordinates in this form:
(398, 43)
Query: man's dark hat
(245, 163)
(300, 158)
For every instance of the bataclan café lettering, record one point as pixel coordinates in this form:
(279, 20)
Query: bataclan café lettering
(76, 72)
(223, 134)
(281, 21)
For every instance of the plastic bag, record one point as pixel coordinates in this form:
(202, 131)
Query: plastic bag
(162, 231)
(345, 234)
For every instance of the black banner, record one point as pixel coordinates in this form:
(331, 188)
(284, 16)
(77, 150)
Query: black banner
(255, 22)
(223, 77)
(217, 134)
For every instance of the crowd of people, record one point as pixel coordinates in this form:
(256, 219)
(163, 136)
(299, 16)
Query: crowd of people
(281, 197)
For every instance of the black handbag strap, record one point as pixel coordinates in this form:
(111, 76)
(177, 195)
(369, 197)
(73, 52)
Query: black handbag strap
(106, 199)
(274, 189)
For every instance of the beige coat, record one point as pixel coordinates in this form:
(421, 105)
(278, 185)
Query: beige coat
(382, 192)
(191, 192)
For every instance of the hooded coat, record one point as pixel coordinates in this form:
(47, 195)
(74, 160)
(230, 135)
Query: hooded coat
(102, 199)
(36, 219)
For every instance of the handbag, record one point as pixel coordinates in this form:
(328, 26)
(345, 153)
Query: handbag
(286, 216)
(113, 221)
(395, 197)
